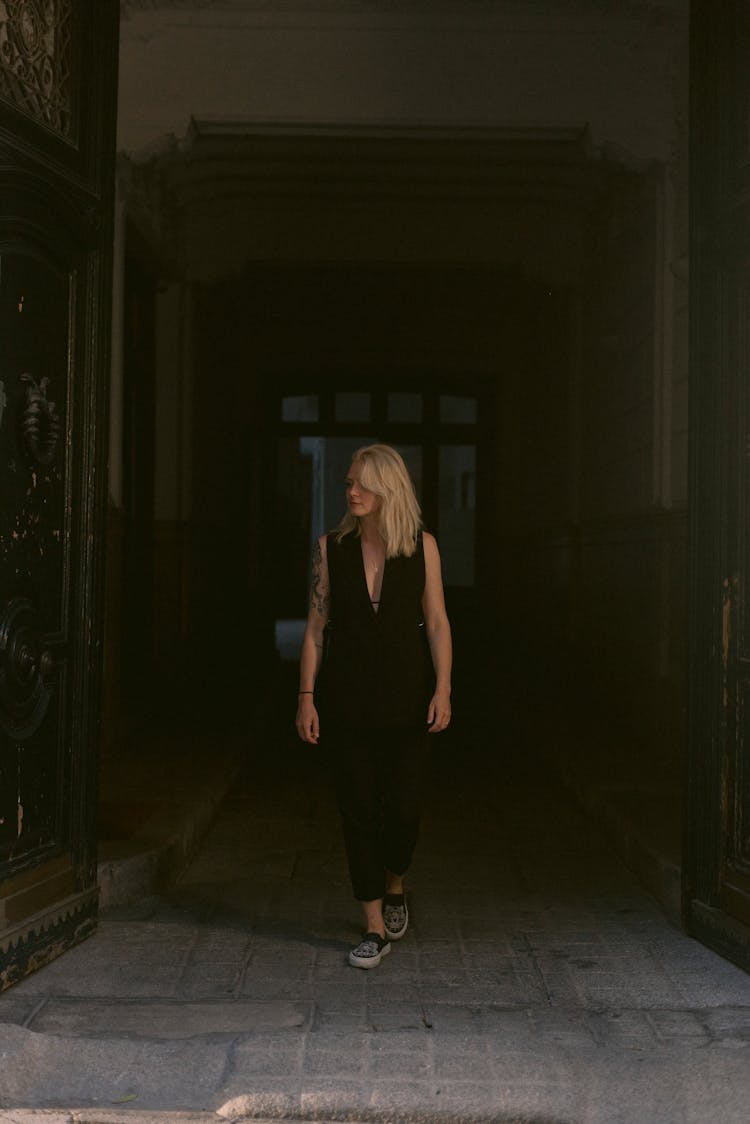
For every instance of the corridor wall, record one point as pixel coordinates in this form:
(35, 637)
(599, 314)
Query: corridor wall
(589, 489)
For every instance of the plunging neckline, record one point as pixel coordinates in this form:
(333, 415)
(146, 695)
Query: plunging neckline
(374, 603)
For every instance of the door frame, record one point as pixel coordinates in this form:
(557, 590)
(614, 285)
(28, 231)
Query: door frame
(56, 202)
(716, 905)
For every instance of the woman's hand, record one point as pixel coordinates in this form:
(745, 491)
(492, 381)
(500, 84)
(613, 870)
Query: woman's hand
(438, 712)
(308, 723)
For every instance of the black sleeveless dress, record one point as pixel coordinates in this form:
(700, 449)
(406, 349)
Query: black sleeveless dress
(377, 671)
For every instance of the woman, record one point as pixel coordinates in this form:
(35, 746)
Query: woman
(378, 593)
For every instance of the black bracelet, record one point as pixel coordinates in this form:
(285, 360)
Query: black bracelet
(305, 693)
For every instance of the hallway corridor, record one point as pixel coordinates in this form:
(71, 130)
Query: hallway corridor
(537, 983)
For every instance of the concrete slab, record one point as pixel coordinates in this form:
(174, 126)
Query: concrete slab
(46, 1070)
(85, 1116)
(169, 1021)
(537, 984)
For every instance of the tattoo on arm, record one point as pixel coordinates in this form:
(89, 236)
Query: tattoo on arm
(320, 595)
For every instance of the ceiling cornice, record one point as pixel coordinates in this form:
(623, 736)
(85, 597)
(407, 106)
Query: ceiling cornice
(231, 159)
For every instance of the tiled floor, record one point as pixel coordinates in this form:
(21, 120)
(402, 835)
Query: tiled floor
(538, 982)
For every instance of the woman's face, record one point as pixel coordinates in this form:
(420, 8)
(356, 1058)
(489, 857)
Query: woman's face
(360, 500)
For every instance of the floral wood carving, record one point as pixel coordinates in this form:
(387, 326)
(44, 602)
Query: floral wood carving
(35, 60)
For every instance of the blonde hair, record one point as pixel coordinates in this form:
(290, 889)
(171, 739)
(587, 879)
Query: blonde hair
(399, 519)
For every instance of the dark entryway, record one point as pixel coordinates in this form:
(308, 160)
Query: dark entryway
(517, 269)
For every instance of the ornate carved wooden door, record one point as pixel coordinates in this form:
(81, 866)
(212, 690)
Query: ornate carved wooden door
(58, 64)
(717, 839)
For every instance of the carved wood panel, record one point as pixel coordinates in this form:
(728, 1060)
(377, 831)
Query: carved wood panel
(34, 551)
(57, 114)
(36, 60)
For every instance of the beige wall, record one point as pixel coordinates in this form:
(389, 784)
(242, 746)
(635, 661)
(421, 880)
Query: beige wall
(559, 62)
(602, 565)
(590, 375)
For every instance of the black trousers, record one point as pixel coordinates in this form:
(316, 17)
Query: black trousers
(378, 780)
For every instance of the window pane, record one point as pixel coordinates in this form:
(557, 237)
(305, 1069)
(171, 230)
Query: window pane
(352, 407)
(289, 638)
(310, 500)
(300, 408)
(330, 477)
(405, 408)
(458, 411)
(457, 511)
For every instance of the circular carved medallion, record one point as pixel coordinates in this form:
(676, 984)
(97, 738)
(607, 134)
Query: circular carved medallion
(24, 696)
(30, 25)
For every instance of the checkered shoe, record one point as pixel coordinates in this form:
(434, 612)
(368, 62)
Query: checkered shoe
(370, 951)
(395, 916)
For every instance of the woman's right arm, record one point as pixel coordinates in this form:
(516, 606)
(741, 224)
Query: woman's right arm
(308, 723)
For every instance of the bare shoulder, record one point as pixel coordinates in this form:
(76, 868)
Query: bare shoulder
(429, 542)
(432, 564)
(433, 602)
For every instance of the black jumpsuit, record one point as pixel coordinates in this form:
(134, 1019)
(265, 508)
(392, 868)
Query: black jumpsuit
(376, 685)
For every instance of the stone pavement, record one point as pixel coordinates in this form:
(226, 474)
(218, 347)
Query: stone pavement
(538, 982)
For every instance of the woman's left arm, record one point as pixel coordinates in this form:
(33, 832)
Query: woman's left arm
(438, 636)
